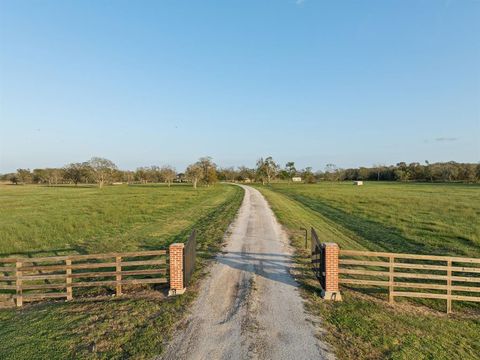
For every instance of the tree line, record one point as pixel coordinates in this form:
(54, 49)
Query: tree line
(428, 172)
(267, 170)
(205, 172)
(102, 171)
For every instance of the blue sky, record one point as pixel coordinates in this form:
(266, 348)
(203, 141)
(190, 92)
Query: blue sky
(165, 82)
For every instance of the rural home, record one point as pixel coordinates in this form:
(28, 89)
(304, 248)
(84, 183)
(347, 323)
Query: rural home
(297, 179)
(358, 183)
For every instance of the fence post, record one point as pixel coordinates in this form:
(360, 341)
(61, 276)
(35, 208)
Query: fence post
(331, 291)
(118, 275)
(391, 279)
(176, 269)
(449, 286)
(18, 283)
(68, 263)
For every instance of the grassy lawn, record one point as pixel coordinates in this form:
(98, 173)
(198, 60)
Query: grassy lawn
(61, 220)
(411, 218)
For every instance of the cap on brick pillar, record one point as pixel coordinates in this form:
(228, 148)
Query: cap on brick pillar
(331, 291)
(176, 269)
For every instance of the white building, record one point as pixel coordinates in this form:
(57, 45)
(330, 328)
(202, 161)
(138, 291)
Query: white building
(297, 179)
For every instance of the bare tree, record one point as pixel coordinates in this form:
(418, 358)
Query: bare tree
(54, 176)
(102, 170)
(194, 173)
(128, 176)
(168, 174)
(154, 174)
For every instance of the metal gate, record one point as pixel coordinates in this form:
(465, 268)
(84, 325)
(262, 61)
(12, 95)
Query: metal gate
(318, 258)
(189, 256)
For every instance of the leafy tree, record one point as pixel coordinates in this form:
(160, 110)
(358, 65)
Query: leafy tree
(75, 172)
(308, 176)
(14, 179)
(209, 170)
(363, 173)
(267, 169)
(290, 170)
(227, 174)
(24, 176)
(141, 174)
(331, 172)
(245, 173)
(39, 176)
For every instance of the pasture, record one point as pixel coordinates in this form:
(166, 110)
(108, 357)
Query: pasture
(440, 219)
(41, 220)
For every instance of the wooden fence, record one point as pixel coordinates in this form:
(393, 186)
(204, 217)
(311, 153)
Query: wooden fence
(30, 279)
(411, 275)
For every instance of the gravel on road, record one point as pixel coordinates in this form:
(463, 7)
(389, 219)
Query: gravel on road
(249, 306)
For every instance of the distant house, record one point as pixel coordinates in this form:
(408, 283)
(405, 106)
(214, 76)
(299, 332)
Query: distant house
(180, 178)
(358, 183)
(247, 180)
(296, 179)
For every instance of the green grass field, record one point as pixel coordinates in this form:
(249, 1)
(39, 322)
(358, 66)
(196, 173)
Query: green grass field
(37, 220)
(411, 218)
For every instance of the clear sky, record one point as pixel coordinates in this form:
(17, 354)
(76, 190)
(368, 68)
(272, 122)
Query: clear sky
(165, 82)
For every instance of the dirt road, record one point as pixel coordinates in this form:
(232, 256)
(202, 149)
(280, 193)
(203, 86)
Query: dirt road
(250, 307)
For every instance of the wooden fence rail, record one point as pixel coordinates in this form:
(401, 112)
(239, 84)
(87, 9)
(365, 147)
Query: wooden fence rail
(30, 279)
(437, 277)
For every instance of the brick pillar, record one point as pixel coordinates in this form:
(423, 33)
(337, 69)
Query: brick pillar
(176, 269)
(331, 291)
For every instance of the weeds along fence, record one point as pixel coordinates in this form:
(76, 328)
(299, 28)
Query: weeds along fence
(31, 279)
(411, 275)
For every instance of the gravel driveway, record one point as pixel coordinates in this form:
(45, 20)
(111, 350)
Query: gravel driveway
(249, 307)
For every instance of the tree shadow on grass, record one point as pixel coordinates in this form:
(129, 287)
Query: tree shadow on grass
(71, 186)
(73, 250)
(158, 185)
(374, 235)
(207, 227)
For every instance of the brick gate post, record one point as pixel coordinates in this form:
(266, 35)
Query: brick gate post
(176, 269)
(331, 291)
